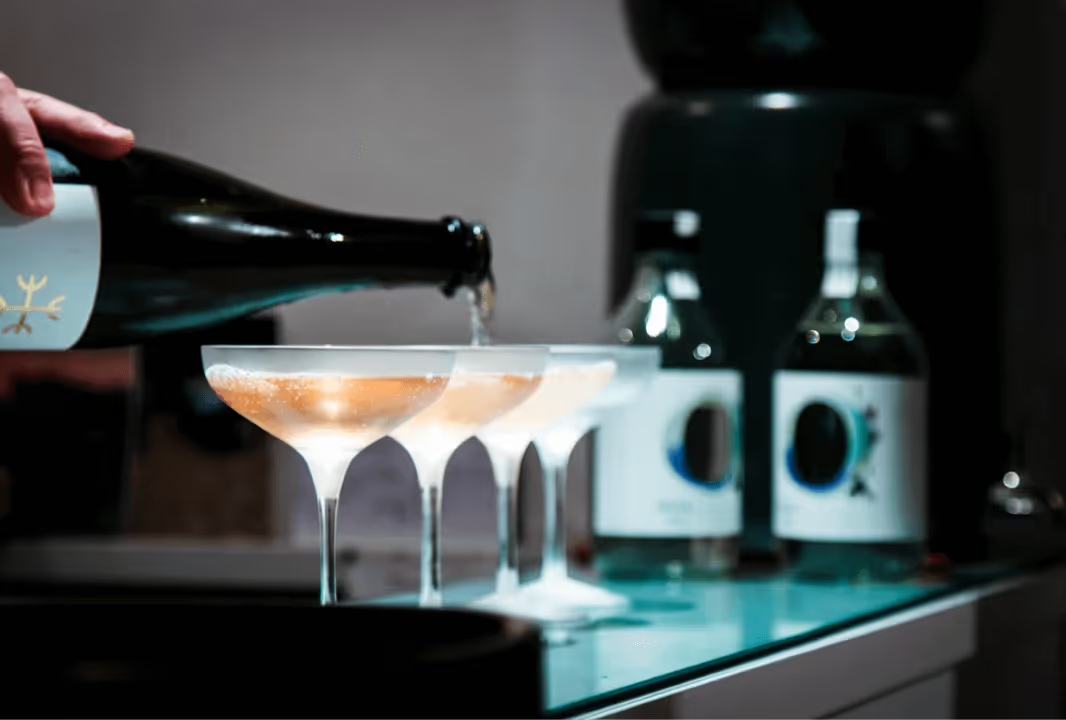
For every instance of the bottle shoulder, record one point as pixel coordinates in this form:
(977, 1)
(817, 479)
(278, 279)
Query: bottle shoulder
(145, 177)
(682, 329)
(863, 333)
(882, 350)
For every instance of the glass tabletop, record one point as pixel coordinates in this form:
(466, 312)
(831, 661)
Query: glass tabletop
(676, 633)
(680, 631)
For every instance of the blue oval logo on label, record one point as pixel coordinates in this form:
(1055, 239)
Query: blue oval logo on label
(700, 445)
(831, 441)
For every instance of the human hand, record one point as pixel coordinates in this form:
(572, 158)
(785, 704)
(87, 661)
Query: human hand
(25, 178)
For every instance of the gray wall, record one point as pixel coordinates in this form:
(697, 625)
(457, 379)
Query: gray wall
(505, 110)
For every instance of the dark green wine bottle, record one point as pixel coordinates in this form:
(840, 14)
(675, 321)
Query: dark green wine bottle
(150, 244)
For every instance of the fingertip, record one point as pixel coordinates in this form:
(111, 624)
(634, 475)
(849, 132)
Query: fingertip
(118, 142)
(29, 191)
(38, 193)
(124, 143)
(42, 206)
(17, 200)
(40, 210)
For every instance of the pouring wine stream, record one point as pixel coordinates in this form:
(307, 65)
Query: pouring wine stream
(482, 303)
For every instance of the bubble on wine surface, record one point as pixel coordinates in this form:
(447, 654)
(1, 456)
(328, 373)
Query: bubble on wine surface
(222, 371)
(848, 335)
(813, 337)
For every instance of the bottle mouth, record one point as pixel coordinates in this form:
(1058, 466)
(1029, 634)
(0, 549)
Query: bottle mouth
(474, 270)
(841, 236)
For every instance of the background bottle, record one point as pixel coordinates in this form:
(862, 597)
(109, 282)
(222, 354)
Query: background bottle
(667, 474)
(849, 433)
(150, 244)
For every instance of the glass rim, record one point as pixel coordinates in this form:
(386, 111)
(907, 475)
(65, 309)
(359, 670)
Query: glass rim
(566, 348)
(508, 347)
(381, 348)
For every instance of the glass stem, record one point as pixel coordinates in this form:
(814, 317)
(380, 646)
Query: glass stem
(430, 595)
(554, 563)
(328, 473)
(507, 524)
(327, 521)
(506, 469)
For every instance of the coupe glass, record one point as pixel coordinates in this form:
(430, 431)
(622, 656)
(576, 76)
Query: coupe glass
(572, 379)
(555, 593)
(486, 382)
(327, 403)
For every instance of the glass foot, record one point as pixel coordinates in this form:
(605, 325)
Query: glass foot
(556, 601)
(566, 592)
(520, 606)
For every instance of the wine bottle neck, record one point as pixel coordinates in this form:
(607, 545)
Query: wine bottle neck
(326, 247)
(448, 252)
(840, 280)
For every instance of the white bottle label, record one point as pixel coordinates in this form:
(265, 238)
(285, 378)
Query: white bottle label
(849, 461)
(49, 271)
(669, 465)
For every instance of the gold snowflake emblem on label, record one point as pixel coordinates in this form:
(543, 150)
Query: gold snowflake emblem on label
(51, 310)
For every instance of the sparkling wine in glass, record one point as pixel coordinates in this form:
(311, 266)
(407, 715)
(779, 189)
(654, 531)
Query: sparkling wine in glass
(327, 403)
(571, 381)
(486, 382)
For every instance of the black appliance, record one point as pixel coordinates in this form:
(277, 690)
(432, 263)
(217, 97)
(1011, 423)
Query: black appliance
(769, 112)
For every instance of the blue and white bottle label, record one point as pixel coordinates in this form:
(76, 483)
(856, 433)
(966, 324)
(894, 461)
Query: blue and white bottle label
(49, 271)
(849, 457)
(669, 465)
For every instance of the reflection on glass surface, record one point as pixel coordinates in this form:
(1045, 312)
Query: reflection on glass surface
(230, 225)
(657, 316)
(778, 101)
